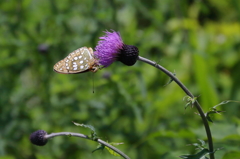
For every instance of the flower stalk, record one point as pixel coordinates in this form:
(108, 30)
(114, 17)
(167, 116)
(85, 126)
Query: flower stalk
(184, 88)
(39, 137)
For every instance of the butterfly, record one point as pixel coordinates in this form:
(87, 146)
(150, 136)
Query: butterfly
(78, 61)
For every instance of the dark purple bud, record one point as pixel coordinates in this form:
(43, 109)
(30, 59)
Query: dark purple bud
(129, 55)
(38, 138)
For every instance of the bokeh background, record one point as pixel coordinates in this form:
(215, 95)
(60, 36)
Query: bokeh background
(199, 40)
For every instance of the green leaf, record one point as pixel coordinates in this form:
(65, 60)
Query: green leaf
(202, 142)
(190, 101)
(83, 125)
(93, 131)
(112, 152)
(200, 155)
(170, 81)
(209, 119)
(100, 147)
(213, 110)
(199, 146)
(225, 102)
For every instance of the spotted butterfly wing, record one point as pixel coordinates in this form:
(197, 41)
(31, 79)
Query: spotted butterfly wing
(78, 61)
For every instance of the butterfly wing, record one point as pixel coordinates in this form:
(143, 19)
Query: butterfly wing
(78, 61)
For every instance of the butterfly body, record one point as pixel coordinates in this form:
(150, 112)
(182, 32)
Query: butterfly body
(78, 61)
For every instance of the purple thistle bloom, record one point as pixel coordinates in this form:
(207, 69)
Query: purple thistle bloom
(108, 48)
(111, 48)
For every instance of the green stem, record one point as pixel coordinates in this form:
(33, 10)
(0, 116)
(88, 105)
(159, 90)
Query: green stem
(86, 137)
(184, 88)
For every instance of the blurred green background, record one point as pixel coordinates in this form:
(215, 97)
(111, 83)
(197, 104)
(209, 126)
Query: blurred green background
(199, 40)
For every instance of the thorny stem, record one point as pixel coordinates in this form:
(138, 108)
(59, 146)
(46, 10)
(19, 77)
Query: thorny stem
(184, 88)
(86, 137)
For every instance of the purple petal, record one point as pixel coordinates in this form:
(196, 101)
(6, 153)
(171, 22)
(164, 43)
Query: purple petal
(108, 48)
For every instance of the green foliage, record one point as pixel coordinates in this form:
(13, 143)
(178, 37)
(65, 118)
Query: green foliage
(93, 131)
(112, 152)
(200, 155)
(198, 40)
(214, 110)
(190, 101)
(170, 81)
(101, 147)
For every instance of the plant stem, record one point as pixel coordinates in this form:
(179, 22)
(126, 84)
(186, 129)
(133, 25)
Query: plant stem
(86, 137)
(184, 88)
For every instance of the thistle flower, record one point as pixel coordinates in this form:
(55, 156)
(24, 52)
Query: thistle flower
(38, 138)
(111, 48)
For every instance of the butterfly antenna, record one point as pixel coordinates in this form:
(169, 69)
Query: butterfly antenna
(93, 81)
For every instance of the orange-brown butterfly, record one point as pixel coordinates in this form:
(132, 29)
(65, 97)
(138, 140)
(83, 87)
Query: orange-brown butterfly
(78, 61)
